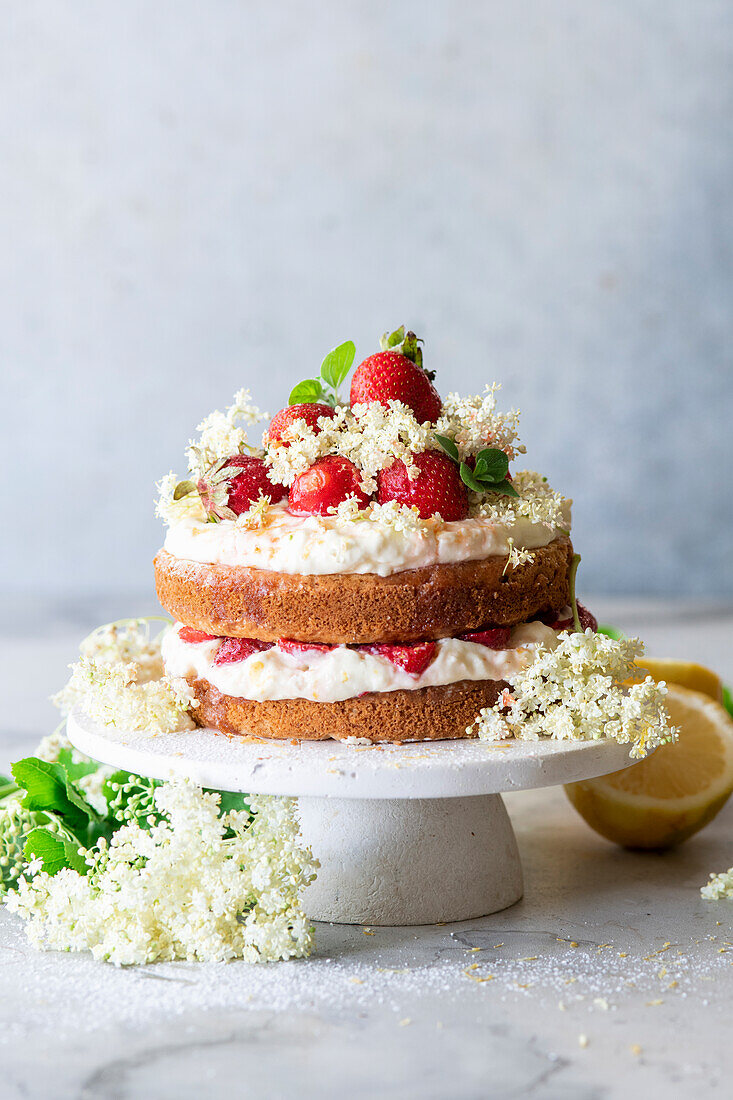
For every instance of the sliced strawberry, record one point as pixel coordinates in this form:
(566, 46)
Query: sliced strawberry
(239, 649)
(324, 485)
(188, 634)
(437, 488)
(587, 619)
(411, 658)
(496, 637)
(288, 645)
(311, 413)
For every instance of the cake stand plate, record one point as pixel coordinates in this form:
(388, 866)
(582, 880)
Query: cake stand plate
(405, 834)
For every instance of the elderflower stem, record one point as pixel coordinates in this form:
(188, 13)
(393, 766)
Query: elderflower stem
(573, 602)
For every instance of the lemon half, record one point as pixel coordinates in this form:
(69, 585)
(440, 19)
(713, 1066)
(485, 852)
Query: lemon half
(667, 797)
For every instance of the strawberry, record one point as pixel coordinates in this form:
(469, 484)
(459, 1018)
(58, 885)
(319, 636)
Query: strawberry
(437, 488)
(396, 374)
(311, 413)
(410, 658)
(495, 637)
(226, 493)
(239, 649)
(324, 485)
(188, 634)
(288, 645)
(587, 619)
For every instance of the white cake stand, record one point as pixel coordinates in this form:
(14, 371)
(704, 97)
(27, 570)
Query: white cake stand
(405, 834)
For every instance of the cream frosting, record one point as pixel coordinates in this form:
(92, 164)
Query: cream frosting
(343, 673)
(331, 544)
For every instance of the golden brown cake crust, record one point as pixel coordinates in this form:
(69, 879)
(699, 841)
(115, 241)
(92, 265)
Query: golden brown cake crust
(426, 714)
(438, 601)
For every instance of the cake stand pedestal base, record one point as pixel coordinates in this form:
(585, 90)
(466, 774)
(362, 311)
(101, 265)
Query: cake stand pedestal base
(398, 861)
(413, 833)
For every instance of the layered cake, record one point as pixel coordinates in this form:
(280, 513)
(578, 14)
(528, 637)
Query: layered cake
(376, 570)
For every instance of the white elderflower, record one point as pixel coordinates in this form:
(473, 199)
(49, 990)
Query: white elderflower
(120, 681)
(171, 510)
(576, 692)
(298, 449)
(192, 886)
(517, 556)
(223, 434)
(257, 516)
(719, 886)
(537, 501)
(403, 518)
(474, 423)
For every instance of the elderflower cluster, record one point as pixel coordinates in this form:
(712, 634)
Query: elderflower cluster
(719, 886)
(223, 434)
(537, 502)
(371, 436)
(399, 517)
(120, 681)
(191, 886)
(173, 511)
(474, 423)
(577, 692)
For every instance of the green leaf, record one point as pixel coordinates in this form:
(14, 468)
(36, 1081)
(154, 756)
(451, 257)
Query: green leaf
(504, 488)
(337, 364)
(394, 338)
(306, 393)
(610, 631)
(728, 700)
(54, 851)
(183, 488)
(76, 769)
(448, 446)
(49, 788)
(494, 462)
(467, 477)
(230, 800)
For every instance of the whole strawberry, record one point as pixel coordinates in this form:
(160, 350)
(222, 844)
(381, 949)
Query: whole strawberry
(324, 485)
(311, 413)
(437, 488)
(232, 484)
(396, 374)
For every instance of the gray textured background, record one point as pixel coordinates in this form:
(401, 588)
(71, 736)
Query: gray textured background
(201, 196)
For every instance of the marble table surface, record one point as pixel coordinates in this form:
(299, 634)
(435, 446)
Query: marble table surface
(612, 978)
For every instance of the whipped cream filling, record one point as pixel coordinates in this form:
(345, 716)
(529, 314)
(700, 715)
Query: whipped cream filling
(330, 544)
(343, 673)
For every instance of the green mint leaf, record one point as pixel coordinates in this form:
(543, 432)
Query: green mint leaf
(494, 462)
(505, 488)
(49, 788)
(54, 851)
(337, 364)
(448, 446)
(468, 479)
(610, 631)
(480, 471)
(305, 393)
